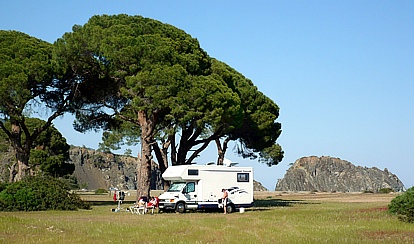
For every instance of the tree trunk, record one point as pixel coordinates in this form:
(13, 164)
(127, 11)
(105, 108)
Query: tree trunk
(23, 170)
(221, 150)
(13, 172)
(173, 154)
(144, 163)
(144, 170)
(22, 154)
(161, 155)
(182, 153)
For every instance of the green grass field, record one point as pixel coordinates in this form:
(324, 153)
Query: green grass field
(276, 218)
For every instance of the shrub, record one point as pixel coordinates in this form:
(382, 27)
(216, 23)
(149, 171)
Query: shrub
(403, 206)
(385, 190)
(71, 181)
(3, 186)
(38, 193)
(101, 191)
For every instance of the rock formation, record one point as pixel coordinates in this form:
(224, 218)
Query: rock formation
(333, 174)
(99, 170)
(257, 186)
(96, 170)
(104, 170)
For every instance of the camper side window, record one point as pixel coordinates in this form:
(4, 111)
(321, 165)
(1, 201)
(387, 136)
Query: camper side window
(242, 177)
(190, 187)
(193, 172)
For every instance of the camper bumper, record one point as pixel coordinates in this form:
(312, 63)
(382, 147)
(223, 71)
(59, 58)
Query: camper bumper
(167, 205)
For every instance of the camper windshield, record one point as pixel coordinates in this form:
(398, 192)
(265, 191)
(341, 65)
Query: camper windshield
(176, 187)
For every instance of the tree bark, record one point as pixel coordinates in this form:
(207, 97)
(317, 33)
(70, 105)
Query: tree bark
(22, 167)
(221, 150)
(22, 153)
(183, 149)
(144, 163)
(13, 172)
(162, 158)
(173, 154)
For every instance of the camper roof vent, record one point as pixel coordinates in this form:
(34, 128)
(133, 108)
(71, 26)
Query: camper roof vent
(228, 163)
(211, 163)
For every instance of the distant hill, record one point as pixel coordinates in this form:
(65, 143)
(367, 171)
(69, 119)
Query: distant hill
(333, 174)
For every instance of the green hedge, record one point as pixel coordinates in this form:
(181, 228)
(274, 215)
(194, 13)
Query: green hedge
(403, 206)
(39, 193)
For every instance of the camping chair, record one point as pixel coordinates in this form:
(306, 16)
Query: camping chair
(136, 209)
(154, 205)
(133, 209)
(140, 207)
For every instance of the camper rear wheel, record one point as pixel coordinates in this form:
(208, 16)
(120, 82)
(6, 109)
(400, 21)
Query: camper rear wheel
(229, 208)
(180, 208)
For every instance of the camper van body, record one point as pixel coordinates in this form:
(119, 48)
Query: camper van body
(197, 187)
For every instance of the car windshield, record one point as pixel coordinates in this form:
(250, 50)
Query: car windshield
(176, 187)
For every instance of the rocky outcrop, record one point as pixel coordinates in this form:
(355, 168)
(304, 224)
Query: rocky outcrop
(104, 170)
(257, 186)
(333, 174)
(100, 170)
(95, 170)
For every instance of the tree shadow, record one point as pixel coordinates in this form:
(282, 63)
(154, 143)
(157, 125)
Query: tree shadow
(264, 204)
(110, 203)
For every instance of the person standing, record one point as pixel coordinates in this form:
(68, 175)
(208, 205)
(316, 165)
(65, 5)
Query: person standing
(224, 199)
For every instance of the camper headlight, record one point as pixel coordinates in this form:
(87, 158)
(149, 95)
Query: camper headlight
(171, 200)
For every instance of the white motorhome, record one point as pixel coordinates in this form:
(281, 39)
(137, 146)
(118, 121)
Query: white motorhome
(198, 187)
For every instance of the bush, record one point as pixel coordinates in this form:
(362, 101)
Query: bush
(101, 191)
(385, 190)
(3, 186)
(39, 193)
(71, 181)
(403, 206)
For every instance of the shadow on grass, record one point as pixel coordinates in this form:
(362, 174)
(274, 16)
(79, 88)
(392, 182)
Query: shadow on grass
(110, 203)
(264, 203)
(259, 204)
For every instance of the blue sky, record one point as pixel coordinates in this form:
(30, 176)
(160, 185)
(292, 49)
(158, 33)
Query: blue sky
(342, 72)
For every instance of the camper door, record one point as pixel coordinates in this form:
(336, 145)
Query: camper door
(190, 191)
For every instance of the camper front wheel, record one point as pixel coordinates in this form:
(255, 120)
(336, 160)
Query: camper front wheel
(180, 208)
